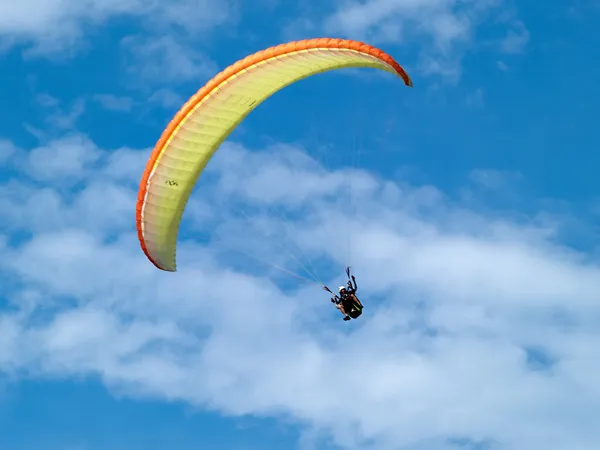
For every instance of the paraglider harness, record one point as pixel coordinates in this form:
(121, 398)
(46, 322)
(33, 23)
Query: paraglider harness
(350, 302)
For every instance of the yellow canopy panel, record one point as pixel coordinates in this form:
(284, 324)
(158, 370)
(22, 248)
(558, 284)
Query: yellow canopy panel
(209, 116)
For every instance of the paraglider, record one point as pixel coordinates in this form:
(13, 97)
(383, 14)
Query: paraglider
(209, 116)
(347, 301)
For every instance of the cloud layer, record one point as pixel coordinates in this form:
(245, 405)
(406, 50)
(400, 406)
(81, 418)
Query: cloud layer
(477, 331)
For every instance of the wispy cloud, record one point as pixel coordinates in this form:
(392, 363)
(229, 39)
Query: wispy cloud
(166, 98)
(441, 33)
(516, 39)
(164, 60)
(58, 116)
(495, 179)
(113, 102)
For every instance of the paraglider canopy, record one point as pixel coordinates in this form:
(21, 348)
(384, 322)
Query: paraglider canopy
(209, 116)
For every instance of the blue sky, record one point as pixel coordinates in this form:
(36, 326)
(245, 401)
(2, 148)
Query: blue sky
(469, 202)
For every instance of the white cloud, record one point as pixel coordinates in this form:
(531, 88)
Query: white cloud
(455, 301)
(441, 21)
(33, 22)
(67, 159)
(67, 162)
(123, 164)
(195, 16)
